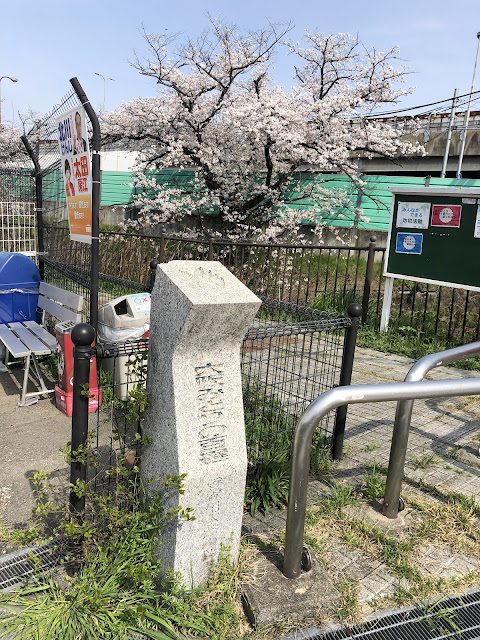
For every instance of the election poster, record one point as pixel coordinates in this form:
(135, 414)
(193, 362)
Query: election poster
(77, 173)
(413, 215)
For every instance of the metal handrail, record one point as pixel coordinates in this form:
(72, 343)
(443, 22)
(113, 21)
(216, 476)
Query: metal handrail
(302, 443)
(403, 417)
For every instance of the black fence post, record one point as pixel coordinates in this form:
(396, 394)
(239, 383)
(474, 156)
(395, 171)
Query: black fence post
(368, 278)
(82, 337)
(38, 204)
(161, 257)
(96, 195)
(354, 311)
(210, 247)
(153, 273)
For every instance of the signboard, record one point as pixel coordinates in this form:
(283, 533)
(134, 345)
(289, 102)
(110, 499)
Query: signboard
(77, 173)
(413, 215)
(434, 236)
(446, 216)
(409, 243)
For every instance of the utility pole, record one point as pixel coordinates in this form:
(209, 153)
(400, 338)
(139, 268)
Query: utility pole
(2, 78)
(467, 114)
(449, 134)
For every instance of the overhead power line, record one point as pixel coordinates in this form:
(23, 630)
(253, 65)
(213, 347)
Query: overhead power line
(446, 102)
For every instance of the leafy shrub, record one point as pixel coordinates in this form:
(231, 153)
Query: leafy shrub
(267, 484)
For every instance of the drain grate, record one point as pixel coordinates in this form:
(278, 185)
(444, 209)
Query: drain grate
(455, 617)
(19, 565)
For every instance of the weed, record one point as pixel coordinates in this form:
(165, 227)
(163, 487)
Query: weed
(349, 608)
(114, 593)
(336, 301)
(21, 537)
(370, 447)
(377, 467)
(441, 620)
(342, 495)
(424, 461)
(374, 485)
(321, 463)
(267, 484)
(453, 452)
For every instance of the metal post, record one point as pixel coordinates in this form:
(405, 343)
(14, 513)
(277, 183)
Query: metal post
(210, 248)
(153, 273)
(449, 135)
(354, 311)
(96, 179)
(13, 80)
(161, 257)
(358, 204)
(38, 204)
(302, 443)
(403, 417)
(467, 113)
(368, 278)
(82, 337)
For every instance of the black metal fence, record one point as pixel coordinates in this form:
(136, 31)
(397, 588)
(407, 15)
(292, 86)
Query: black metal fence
(291, 355)
(327, 278)
(295, 274)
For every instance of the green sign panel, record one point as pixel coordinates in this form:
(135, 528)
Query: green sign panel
(434, 236)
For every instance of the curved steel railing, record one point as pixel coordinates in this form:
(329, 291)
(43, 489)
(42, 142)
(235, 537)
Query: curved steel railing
(302, 443)
(403, 417)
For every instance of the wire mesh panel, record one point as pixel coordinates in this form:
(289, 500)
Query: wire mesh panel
(18, 231)
(18, 228)
(290, 357)
(43, 141)
(122, 371)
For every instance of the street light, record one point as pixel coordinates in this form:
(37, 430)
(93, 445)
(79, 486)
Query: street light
(467, 114)
(8, 78)
(104, 83)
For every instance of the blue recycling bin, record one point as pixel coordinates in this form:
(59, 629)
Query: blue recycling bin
(19, 282)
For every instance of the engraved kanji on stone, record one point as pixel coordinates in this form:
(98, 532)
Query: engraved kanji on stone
(213, 446)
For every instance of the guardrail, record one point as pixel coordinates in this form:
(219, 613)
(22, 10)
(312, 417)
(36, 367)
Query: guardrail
(403, 417)
(302, 443)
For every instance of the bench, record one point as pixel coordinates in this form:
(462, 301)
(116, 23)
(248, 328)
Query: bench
(28, 339)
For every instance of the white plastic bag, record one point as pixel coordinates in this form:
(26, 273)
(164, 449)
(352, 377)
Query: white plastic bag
(108, 334)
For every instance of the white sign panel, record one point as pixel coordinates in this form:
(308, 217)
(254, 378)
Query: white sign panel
(413, 215)
(476, 232)
(77, 173)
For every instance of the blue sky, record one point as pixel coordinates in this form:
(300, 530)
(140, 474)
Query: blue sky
(44, 43)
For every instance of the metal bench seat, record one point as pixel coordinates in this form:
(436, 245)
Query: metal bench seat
(29, 339)
(20, 342)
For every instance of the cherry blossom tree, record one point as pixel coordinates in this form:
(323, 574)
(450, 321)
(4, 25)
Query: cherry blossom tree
(254, 150)
(11, 147)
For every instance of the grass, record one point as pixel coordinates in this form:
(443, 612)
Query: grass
(424, 461)
(374, 485)
(409, 342)
(370, 447)
(349, 608)
(453, 522)
(23, 537)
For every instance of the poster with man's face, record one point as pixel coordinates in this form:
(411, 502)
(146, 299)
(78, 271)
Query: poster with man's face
(76, 170)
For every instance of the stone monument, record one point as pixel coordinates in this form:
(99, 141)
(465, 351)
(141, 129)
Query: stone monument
(200, 313)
